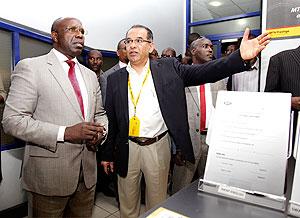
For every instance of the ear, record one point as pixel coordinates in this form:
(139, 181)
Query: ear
(152, 47)
(118, 53)
(54, 36)
(193, 52)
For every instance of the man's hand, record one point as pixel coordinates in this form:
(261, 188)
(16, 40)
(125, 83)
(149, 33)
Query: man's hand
(92, 144)
(250, 48)
(296, 103)
(179, 160)
(89, 132)
(108, 166)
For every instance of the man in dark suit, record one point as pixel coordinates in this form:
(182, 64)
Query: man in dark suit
(123, 60)
(146, 104)
(283, 76)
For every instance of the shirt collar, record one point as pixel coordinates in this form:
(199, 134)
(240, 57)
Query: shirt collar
(131, 70)
(61, 57)
(122, 64)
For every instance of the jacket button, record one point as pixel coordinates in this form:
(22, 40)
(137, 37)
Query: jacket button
(198, 114)
(197, 130)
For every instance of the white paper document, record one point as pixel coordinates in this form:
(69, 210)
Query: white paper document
(249, 141)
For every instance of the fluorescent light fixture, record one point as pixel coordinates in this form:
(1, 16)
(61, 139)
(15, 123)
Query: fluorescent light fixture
(215, 3)
(229, 40)
(242, 22)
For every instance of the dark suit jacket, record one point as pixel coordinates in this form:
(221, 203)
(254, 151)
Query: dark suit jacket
(170, 79)
(283, 72)
(284, 76)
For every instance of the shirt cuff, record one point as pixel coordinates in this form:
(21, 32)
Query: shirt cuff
(61, 134)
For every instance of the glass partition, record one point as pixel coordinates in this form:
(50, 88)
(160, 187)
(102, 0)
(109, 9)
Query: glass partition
(231, 26)
(212, 9)
(5, 71)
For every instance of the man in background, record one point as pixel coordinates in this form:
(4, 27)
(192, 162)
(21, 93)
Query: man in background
(168, 52)
(201, 101)
(123, 60)
(95, 62)
(54, 105)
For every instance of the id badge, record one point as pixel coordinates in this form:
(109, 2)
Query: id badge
(134, 126)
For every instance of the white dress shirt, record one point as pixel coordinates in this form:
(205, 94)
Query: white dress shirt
(246, 81)
(148, 111)
(62, 59)
(122, 64)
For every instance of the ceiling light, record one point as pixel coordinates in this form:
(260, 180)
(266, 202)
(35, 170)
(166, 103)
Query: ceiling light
(215, 3)
(242, 22)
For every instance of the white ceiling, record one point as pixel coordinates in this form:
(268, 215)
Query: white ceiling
(202, 10)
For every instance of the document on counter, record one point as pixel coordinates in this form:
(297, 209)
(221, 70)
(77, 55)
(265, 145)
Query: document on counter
(249, 140)
(165, 213)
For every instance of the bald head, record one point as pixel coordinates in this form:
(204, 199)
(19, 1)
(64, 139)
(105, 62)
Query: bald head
(68, 36)
(202, 50)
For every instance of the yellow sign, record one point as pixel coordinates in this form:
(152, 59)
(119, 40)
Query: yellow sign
(284, 32)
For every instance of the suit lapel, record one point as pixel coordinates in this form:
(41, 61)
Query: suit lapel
(194, 94)
(123, 87)
(158, 81)
(62, 79)
(117, 67)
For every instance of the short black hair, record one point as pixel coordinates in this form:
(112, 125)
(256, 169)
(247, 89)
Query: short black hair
(149, 32)
(192, 37)
(119, 43)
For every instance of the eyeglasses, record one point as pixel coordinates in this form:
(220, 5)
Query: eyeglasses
(166, 56)
(136, 41)
(76, 29)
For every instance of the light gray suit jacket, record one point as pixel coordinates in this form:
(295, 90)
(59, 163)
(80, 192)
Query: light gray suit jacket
(103, 80)
(193, 108)
(40, 100)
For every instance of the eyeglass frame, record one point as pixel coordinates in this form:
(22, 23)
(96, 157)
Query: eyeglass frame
(137, 41)
(75, 29)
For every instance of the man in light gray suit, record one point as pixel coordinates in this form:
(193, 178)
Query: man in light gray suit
(183, 173)
(123, 60)
(54, 104)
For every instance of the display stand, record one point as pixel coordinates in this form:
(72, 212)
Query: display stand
(294, 209)
(253, 197)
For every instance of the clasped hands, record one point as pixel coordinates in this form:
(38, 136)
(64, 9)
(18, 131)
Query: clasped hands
(89, 133)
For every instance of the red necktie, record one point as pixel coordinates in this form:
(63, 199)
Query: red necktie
(75, 84)
(202, 108)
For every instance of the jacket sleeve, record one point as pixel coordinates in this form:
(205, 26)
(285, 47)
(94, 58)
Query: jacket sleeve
(211, 71)
(20, 105)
